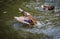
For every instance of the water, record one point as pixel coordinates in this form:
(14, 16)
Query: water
(37, 5)
(48, 23)
(46, 27)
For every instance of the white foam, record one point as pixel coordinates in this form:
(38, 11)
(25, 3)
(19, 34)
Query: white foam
(38, 25)
(5, 12)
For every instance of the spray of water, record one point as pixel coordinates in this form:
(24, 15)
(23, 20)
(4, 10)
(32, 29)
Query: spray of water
(39, 24)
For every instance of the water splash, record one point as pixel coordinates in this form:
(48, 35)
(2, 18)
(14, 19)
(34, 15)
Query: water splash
(39, 24)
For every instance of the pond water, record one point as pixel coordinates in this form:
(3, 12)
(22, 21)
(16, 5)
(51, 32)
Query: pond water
(49, 23)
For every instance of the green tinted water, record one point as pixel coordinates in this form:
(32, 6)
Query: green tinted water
(50, 19)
